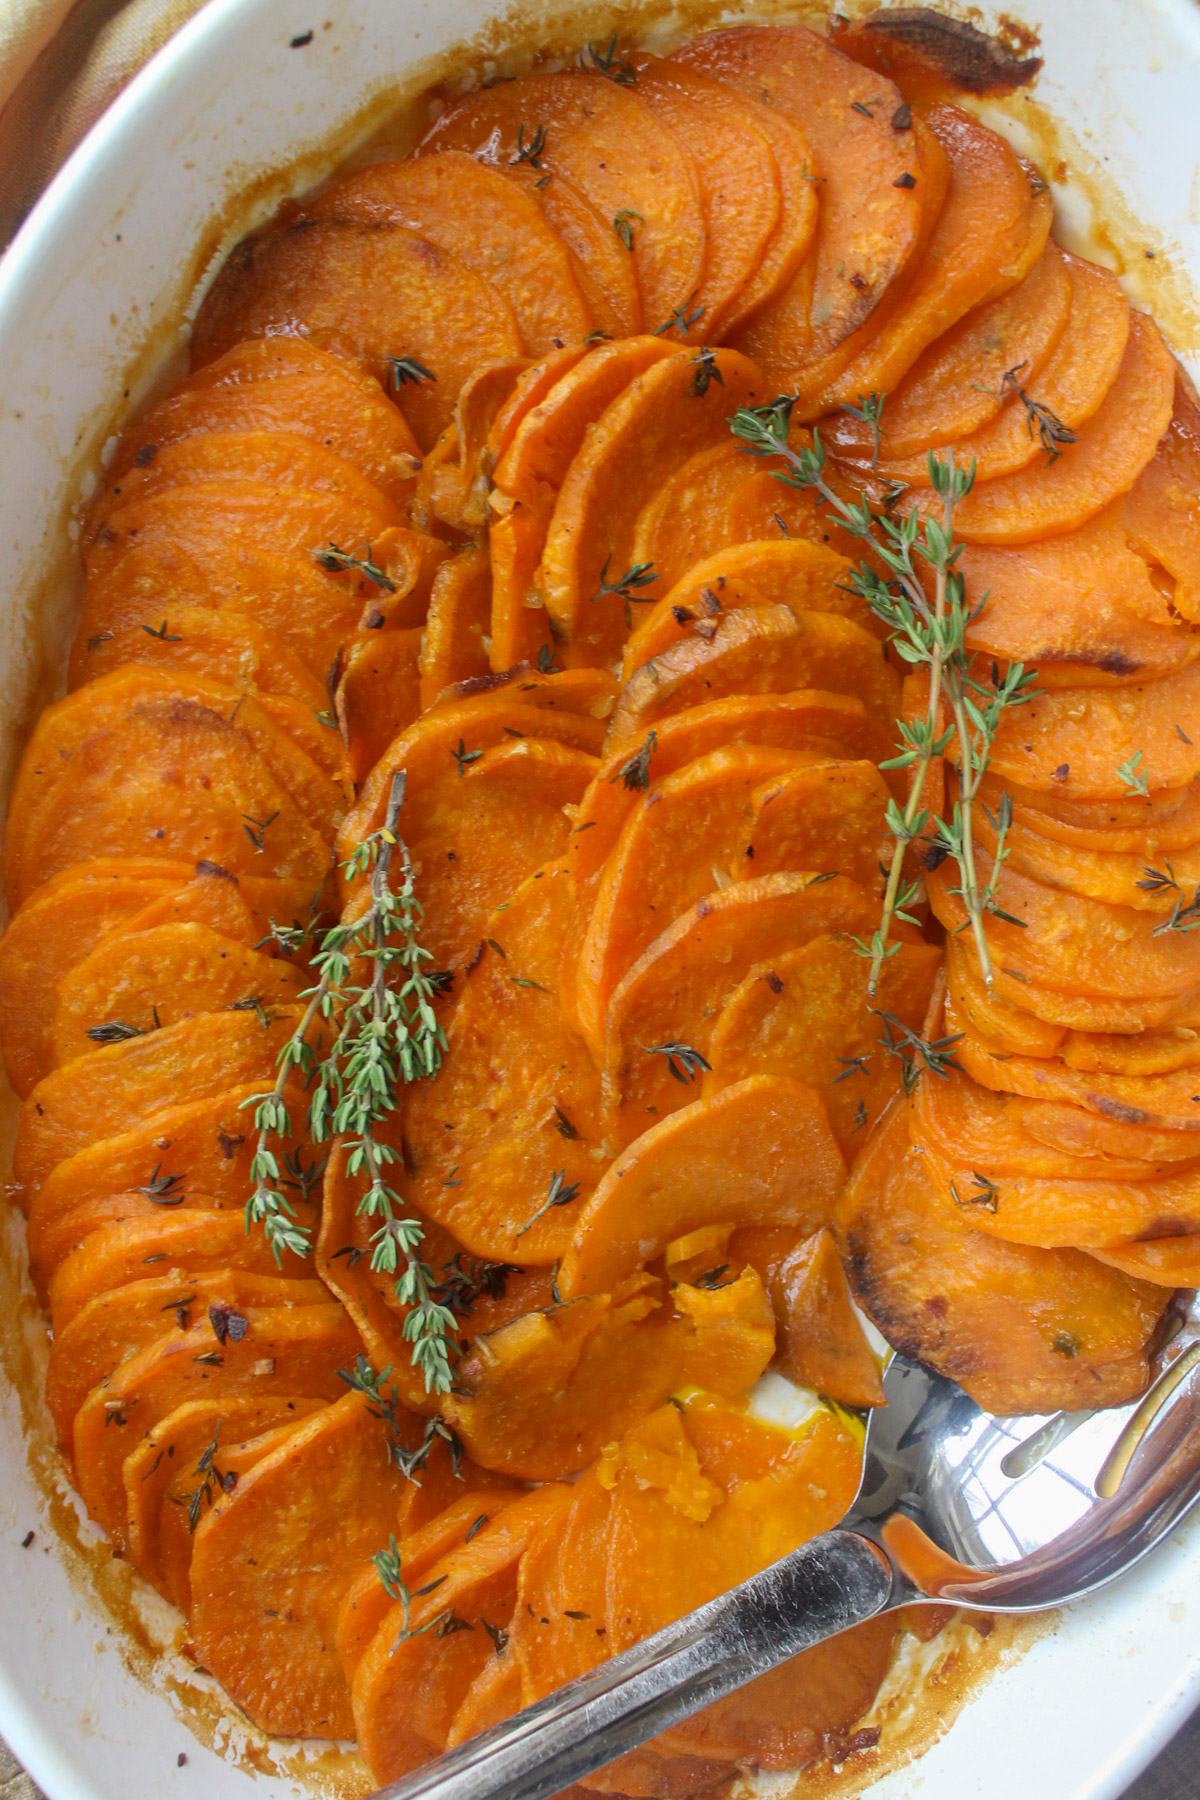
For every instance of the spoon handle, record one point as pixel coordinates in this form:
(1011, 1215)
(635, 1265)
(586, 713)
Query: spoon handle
(833, 1582)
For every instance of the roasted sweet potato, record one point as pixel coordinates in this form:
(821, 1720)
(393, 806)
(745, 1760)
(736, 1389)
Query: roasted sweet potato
(460, 610)
(272, 1560)
(115, 1326)
(130, 1080)
(324, 398)
(820, 815)
(1159, 510)
(599, 138)
(288, 1351)
(543, 1395)
(145, 980)
(515, 1108)
(686, 827)
(823, 1343)
(378, 694)
(868, 225)
(1110, 875)
(173, 1243)
(758, 1153)
(736, 175)
(1172, 1262)
(226, 646)
(1111, 452)
(530, 389)
(482, 220)
(806, 1013)
(957, 385)
(1022, 1329)
(804, 577)
(406, 1692)
(989, 234)
(683, 522)
(677, 989)
(664, 416)
(762, 649)
(166, 1492)
(366, 290)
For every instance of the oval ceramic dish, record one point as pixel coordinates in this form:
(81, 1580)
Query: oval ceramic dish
(106, 266)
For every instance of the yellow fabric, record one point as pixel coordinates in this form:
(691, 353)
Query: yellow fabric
(62, 62)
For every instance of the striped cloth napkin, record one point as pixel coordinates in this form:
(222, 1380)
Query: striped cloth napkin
(62, 62)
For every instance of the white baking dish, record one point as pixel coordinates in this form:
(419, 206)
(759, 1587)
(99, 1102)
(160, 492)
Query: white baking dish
(102, 270)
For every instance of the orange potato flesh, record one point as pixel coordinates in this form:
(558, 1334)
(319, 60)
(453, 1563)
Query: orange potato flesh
(1159, 512)
(736, 175)
(162, 1478)
(226, 646)
(360, 289)
(823, 1344)
(1020, 1328)
(989, 233)
(762, 649)
(378, 694)
(460, 608)
(955, 386)
(678, 988)
(485, 222)
(804, 577)
(610, 148)
(807, 1014)
(760, 1152)
(867, 225)
(177, 1243)
(664, 416)
(683, 522)
(285, 1351)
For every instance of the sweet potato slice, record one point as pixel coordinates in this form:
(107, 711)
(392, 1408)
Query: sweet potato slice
(515, 1106)
(544, 1394)
(676, 990)
(166, 1493)
(1080, 946)
(453, 485)
(224, 646)
(989, 234)
(804, 721)
(331, 403)
(1150, 1053)
(613, 150)
(131, 1080)
(1145, 825)
(378, 694)
(482, 220)
(1172, 1262)
(806, 1014)
(737, 177)
(407, 1693)
(957, 385)
(1111, 452)
(113, 1327)
(285, 1351)
(1008, 1028)
(265, 458)
(197, 1151)
(663, 417)
(1086, 609)
(293, 1531)
(687, 826)
(824, 814)
(600, 262)
(366, 291)
(823, 1343)
(530, 389)
(680, 1175)
(150, 979)
(1022, 1329)
(1072, 383)
(173, 1243)
(804, 577)
(683, 522)
(868, 225)
(56, 926)
(552, 432)
(520, 630)
(460, 610)
(1159, 512)
(758, 650)
(1093, 732)
(1110, 875)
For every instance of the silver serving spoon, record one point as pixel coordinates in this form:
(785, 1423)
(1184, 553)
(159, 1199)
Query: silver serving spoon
(997, 1515)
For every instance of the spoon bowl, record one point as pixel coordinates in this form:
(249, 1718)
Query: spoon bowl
(955, 1504)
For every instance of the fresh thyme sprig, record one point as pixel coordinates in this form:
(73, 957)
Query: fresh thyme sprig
(916, 1054)
(341, 562)
(1041, 420)
(926, 634)
(684, 1062)
(623, 225)
(868, 412)
(385, 1036)
(1134, 778)
(561, 1193)
(637, 575)
(605, 62)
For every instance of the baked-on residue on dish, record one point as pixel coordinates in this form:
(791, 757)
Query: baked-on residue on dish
(525, 573)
